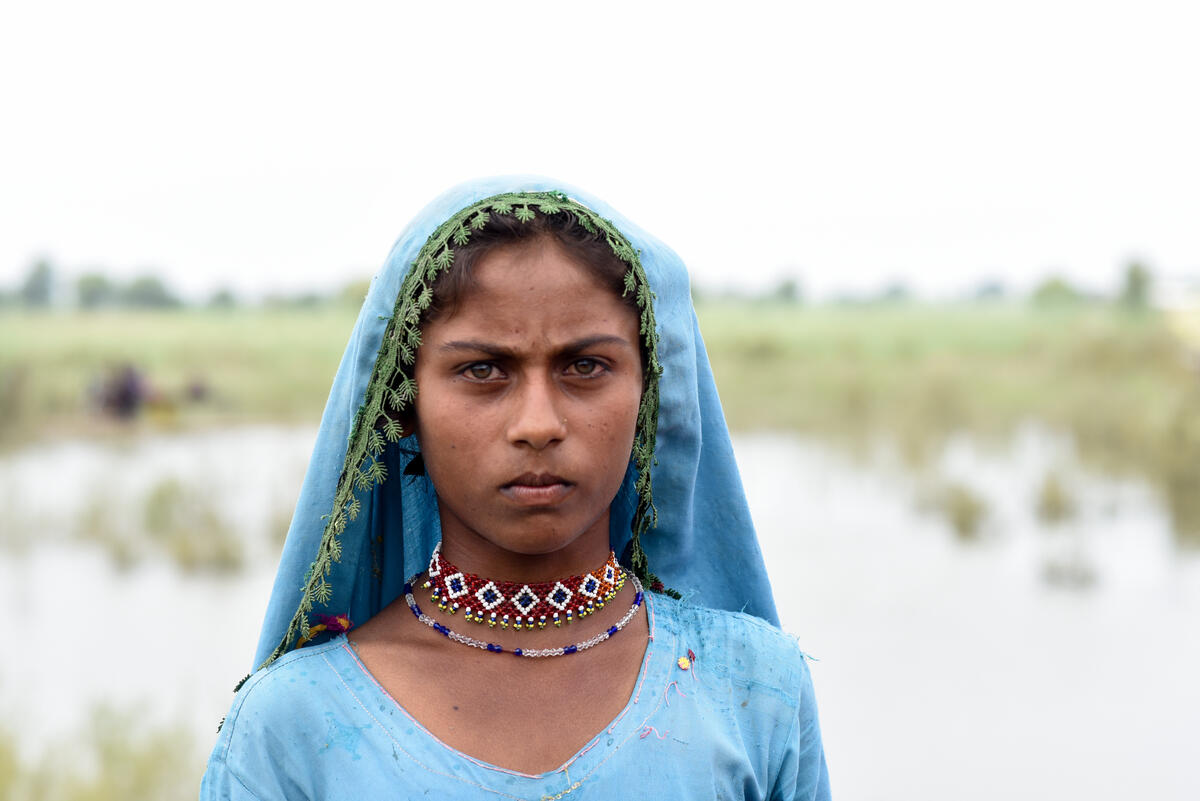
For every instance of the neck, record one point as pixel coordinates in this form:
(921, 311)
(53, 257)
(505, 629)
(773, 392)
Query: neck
(475, 554)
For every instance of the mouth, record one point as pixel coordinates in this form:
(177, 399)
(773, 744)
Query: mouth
(536, 489)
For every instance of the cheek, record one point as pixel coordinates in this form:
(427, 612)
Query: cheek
(449, 451)
(446, 428)
(444, 431)
(617, 424)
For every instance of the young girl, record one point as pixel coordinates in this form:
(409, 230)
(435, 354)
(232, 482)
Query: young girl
(524, 398)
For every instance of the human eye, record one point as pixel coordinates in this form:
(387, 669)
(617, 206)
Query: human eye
(481, 371)
(586, 368)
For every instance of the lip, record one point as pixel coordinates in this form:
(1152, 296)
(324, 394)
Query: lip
(537, 489)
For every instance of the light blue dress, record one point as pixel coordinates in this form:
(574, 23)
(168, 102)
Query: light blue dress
(740, 722)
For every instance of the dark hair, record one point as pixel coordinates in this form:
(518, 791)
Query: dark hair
(589, 248)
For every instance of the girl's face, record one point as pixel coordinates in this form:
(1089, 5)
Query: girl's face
(527, 402)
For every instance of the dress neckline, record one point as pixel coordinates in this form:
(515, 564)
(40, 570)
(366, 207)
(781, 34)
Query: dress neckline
(624, 719)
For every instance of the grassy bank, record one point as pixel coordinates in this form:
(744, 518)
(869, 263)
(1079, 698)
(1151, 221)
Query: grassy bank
(1120, 383)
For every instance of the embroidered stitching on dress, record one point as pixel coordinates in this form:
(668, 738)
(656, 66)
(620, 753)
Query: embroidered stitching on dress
(667, 692)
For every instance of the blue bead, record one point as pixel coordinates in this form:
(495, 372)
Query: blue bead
(517, 652)
(570, 649)
(637, 599)
(407, 588)
(494, 648)
(440, 628)
(613, 631)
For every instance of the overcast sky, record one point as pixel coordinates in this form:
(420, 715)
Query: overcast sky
(282, 147)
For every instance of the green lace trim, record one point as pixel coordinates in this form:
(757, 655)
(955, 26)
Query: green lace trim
(392, 386)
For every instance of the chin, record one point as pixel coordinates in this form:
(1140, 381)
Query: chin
(528, 544)
(532, 537)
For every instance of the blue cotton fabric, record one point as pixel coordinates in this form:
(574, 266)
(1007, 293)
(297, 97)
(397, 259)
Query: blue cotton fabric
(743, 724)
(740, 722)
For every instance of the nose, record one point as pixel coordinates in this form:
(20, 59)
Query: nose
(537, 421)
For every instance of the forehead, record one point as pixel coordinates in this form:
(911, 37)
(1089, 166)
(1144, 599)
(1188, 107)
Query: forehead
(533, 289)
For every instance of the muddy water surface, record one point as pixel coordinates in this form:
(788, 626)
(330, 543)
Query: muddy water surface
(1027, 661)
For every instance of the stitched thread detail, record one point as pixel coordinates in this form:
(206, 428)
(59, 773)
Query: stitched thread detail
(667, 692)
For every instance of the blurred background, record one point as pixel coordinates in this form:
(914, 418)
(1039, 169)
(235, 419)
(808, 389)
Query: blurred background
(945, 257)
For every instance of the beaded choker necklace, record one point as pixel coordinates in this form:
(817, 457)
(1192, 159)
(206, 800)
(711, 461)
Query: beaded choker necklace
(490, 647)
(521, 605)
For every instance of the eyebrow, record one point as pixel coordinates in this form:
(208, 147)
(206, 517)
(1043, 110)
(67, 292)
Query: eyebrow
(493, 349)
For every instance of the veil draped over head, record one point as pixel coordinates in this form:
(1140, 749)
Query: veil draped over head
(363, 525)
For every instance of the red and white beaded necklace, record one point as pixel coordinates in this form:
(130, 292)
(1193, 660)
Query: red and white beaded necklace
(518, 604)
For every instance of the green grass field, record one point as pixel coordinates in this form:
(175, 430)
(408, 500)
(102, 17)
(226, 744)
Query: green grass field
(1121, 383)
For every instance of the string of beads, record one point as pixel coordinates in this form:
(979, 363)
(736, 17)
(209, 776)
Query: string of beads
(591, 642)
(517, 604)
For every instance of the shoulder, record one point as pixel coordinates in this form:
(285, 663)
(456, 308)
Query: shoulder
(277, 708)
(286, 687)
(281, 720)
(739, 648)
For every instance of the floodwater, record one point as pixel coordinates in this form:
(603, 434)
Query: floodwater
(1024, 662)
(981, 670)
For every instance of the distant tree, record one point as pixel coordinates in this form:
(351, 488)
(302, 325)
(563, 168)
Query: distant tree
(300, 300)
(895, 292)
(94, 290)
(989, 291)
(1135, 289)
(1055, 291)
(223, 298)
(787, 291)
(37, 290)
(148, 292)
(309, 300)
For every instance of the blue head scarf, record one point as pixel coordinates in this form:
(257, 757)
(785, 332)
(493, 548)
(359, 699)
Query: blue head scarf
(362, 526)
